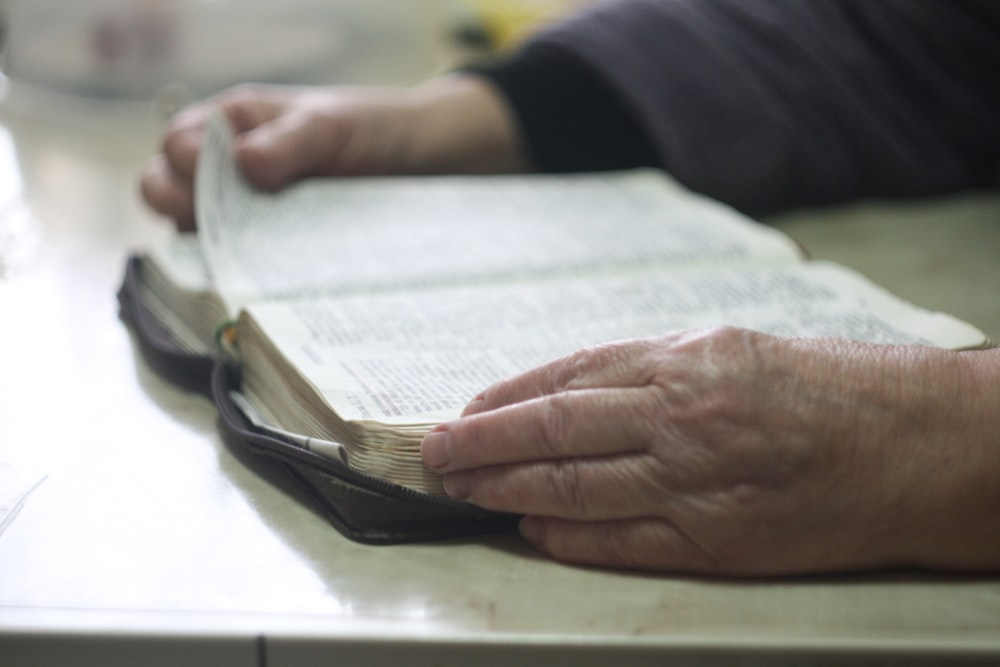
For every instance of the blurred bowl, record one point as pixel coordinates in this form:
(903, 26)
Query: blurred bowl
(167, 52)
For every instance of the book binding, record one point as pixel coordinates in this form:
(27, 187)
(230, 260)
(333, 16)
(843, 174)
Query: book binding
(362, 507)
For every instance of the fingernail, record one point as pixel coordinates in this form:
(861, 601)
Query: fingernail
(531, 529)
(458, 486)
(434, 450)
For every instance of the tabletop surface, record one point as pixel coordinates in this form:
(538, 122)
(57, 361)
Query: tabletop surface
(123, 516)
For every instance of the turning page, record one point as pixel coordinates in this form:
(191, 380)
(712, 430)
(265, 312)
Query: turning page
(372, 234)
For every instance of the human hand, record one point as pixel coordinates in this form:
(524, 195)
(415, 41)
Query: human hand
(452, 124)
(732, 452)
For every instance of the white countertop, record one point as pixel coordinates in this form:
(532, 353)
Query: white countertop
(143, 536)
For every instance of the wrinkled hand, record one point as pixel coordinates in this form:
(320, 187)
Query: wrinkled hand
(452, 124)
(729, 452)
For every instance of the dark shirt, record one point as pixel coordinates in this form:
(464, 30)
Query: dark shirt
(769, 104)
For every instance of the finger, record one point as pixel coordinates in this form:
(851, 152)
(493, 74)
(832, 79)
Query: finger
(245, 107)
(166, 194)
(588, 489)
(619, 364)
(181, 144)
(590, 422)
(643, 543)
(288, 148)
(251, 105)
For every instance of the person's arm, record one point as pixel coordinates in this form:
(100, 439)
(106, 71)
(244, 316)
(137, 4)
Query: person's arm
(452, 124)
(732, 452)
(760, 104)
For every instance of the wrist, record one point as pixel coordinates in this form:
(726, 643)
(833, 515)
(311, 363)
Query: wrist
(462, 124)
(945, 463)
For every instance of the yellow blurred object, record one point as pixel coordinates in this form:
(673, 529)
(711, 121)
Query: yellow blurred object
(507, 22)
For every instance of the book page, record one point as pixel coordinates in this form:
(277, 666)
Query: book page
(403, 359)
(370, 234)
(177, 289)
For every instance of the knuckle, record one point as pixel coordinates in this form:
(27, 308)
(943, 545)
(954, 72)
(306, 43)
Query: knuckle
(564, 479)
(591, 366)
(577, 366)
(553, 428)
(733, 343)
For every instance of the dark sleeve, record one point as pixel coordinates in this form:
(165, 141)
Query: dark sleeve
(768, 104)
(570, 117)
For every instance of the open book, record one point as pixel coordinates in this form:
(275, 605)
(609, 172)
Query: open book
(364, 311)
